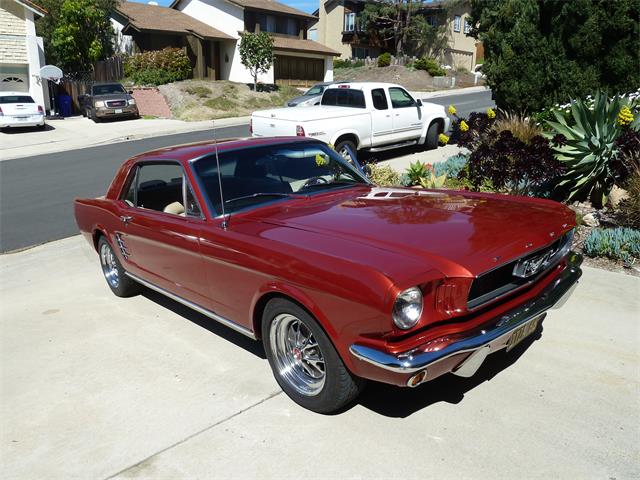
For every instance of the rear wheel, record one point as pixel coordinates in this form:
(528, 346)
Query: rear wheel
(303, 359)
(343, 146)
(119, 283)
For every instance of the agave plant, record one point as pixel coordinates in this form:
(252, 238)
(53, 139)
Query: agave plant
(588, 148)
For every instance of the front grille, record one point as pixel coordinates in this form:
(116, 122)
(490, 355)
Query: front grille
(501, 280)
(116, 103)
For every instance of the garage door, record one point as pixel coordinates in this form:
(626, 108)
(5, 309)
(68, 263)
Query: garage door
(14, 82)
(297, 70)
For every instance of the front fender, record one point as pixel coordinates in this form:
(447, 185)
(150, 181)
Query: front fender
(429, 120)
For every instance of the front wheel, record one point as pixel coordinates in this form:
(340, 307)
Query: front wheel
(303, 359)
(431, 142)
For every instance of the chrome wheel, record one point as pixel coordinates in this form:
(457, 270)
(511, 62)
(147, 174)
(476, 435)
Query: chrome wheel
(109, 265)
(296, 354)
(344, 153)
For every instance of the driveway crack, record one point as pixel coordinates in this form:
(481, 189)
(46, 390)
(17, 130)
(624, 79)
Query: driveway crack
(193, 435)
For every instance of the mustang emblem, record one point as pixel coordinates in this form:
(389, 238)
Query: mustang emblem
(531, 266)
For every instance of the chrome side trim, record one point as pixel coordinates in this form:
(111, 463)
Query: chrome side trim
(214, 316)
(414, 360)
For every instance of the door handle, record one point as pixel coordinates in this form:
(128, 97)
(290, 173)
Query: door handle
(126, 219)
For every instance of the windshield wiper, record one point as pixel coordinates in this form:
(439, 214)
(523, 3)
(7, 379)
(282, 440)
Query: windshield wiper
(263, 194)
(338, 184)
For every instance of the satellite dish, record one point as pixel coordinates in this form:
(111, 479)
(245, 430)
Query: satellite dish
(51, 72)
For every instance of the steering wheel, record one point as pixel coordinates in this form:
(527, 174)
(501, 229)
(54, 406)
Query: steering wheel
(314, 181)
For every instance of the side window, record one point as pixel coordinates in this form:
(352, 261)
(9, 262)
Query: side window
(379, 99)
(162, 187)
(193, 209)
(400, 98)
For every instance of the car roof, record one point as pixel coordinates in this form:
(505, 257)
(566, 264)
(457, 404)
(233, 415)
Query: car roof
(363, 85)
(12, 94)
(191, 151)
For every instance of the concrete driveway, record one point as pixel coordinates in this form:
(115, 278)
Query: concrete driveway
(94, 386)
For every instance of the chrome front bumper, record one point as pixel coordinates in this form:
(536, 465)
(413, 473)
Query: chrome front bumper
(489, 339)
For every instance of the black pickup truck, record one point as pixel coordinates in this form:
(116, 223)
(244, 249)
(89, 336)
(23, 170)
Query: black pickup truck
(108, 100)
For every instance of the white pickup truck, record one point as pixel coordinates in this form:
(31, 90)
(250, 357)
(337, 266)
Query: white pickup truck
(361, 116)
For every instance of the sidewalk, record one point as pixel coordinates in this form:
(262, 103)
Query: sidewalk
(78, 132)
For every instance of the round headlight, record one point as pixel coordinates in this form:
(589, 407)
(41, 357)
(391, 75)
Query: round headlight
(407, 308)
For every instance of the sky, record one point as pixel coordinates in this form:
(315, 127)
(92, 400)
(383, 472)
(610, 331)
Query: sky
(308, 6)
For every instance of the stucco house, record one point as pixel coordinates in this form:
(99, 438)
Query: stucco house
(338, 27)
(21, 51)
(210, 31)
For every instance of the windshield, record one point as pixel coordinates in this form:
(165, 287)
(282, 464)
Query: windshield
(108, 89)
(317, 90)
(16, 99)
(251, 176)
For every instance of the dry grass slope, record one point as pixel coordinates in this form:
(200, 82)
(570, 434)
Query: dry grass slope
(193, 100)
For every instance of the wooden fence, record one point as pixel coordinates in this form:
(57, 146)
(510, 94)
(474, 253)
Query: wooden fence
(109, 70)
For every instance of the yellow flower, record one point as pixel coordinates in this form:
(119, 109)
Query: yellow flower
(443, 139)
(452, 110)
(625, 117)
(491, 113)
(463, 126)
(321, 160)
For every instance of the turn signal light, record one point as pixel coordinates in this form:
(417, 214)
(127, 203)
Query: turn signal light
(299, 131)
(452, 295)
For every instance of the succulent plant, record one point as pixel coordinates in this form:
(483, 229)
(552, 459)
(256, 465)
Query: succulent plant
(587, 147)
(432, 181)
(416, 171)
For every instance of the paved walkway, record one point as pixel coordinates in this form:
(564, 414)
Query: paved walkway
(95, 386)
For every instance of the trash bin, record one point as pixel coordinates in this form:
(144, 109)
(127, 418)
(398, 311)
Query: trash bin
(64, 105)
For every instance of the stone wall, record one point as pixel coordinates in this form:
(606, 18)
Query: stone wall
(151, 102)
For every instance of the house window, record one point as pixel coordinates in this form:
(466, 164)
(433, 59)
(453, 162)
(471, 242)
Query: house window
(433, 21)
(359, 52)
(467, 26)
(267, 23)
(456, 23)
(349, 22)
(292, 26)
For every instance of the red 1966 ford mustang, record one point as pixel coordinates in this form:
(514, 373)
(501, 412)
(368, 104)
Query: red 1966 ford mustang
(341, 280)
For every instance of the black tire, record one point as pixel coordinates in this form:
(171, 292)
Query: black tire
(431, 141)
(339, 387)
(345, 143)
(123, 286)
(92, 115)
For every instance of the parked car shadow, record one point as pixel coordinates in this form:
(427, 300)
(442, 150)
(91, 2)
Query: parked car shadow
(205, 322)
(18, 130)
(392, 401)
(375, 157)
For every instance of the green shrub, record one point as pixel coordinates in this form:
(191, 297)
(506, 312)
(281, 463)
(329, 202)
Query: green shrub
(347, 63)
(158, 67)
(199, 91)
(451, 167)
(431, 66)
(384, 60)
(616, 243)
(384, 176)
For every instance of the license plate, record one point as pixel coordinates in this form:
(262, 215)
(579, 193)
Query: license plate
(22, 119)
(522, 332)
(118, 110)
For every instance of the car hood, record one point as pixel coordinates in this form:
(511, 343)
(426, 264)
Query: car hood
(459, 233)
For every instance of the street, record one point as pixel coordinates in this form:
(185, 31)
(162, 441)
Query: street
(36, 193)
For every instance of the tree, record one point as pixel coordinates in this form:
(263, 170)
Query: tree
(400, 26)
(77, 33)
(539, 52)
(256, 53)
